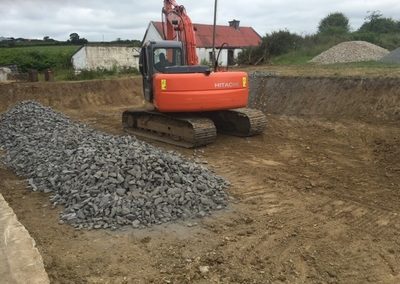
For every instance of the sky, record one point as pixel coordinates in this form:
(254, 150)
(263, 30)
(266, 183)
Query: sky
(128, 19)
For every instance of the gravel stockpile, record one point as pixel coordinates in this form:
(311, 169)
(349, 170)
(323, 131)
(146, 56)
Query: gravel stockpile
(351, 51)
(393, 57)
(104, 181)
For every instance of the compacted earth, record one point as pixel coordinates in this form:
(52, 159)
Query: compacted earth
(312, 200)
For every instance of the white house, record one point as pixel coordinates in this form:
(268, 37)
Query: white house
(93, 57)
(232, 38)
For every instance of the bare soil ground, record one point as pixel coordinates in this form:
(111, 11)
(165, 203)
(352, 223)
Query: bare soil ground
(313, 201)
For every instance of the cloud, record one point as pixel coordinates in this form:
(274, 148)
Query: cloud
(128, 19)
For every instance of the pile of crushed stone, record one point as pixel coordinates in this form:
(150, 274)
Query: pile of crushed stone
(102, 180)
(351, 51)
(393, 57)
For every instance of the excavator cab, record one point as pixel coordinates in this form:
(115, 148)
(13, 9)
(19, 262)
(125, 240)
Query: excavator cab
(154, 58)
(165, 57)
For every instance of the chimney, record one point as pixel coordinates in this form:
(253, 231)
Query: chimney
(234, 24)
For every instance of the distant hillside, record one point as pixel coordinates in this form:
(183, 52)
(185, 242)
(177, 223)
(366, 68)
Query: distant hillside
(46, 41)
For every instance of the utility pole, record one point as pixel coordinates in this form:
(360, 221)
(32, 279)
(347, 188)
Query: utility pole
(214, 34)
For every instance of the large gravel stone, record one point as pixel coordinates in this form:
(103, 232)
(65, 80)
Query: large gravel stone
(102, 180)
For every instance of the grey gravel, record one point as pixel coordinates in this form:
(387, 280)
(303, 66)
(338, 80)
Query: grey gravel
(393, 57)
(351, 51)
(102, 180)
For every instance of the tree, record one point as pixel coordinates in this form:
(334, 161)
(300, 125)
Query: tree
(334, 23)
(46, 38)
(376, 23)
(274, 44)
(281, 42)
(74, 38)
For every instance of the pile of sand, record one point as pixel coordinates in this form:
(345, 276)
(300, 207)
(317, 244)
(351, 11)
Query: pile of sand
(351, 51)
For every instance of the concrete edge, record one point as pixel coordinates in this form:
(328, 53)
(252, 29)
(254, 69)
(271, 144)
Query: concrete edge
(20, 260)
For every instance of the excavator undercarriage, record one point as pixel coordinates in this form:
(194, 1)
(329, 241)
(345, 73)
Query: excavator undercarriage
(192, 130)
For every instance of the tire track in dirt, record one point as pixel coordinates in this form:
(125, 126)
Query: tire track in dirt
(250, 189)
(271, 179)
(359, 217)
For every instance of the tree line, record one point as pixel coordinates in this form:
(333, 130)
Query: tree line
(74, 39)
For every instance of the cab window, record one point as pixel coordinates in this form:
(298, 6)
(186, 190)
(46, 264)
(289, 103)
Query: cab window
(164, 57)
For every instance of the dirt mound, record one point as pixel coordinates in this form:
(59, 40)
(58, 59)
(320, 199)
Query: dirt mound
(393, 57)
(351, 51)
(74, 95)
(376, 99)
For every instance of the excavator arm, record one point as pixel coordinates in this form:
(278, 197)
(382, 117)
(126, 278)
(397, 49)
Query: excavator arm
(177, 25)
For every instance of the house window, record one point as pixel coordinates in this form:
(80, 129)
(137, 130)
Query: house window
(210, 56)
(231, 57)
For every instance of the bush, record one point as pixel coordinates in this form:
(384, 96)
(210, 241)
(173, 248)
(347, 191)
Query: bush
(252, 55)
(281, 42)
(389, 41)
(273, 44)
(376, 23)
(38, 57)
(382, 25)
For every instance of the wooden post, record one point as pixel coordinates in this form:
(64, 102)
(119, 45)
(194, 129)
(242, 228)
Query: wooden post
(33, 75)
(49, 75)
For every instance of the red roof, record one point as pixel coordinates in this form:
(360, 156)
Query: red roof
(241, 37)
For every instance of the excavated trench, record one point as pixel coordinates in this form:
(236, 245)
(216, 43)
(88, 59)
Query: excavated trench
(316, 196)
(366, 99)
(84, 95)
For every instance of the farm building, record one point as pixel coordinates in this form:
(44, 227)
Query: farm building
(92, 57)
(233, 36)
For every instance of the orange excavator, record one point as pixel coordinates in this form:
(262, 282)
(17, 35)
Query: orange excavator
(190, 102)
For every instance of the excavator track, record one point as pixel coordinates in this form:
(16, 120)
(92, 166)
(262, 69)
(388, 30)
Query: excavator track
(178, 129)
(241, 122)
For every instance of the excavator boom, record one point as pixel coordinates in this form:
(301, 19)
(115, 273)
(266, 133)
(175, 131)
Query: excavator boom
(179, 26)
